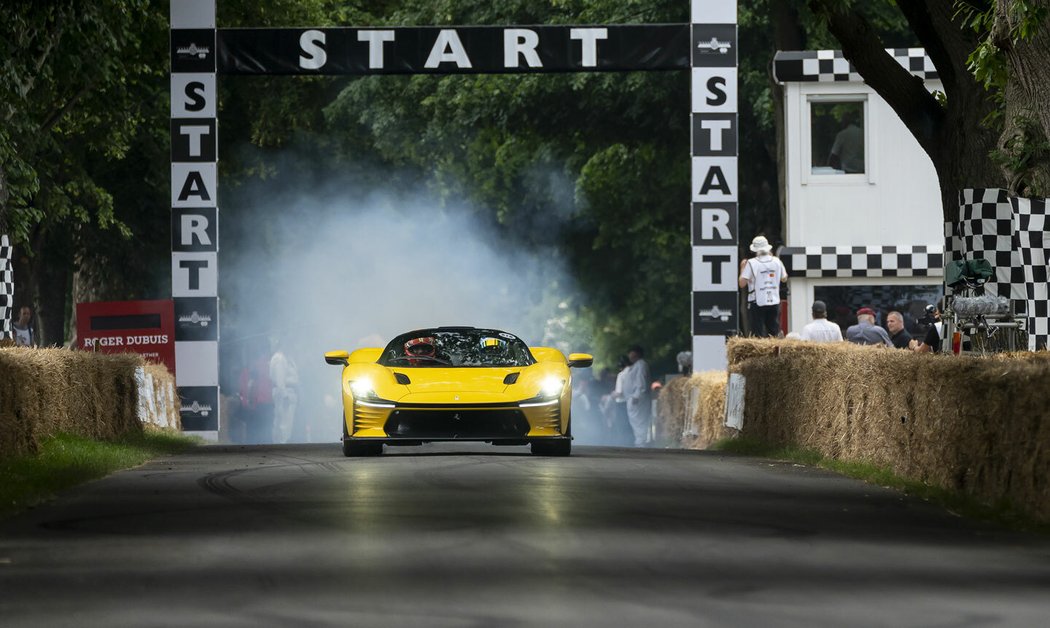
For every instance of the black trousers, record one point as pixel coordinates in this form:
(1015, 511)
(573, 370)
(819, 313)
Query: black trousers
(764, 320)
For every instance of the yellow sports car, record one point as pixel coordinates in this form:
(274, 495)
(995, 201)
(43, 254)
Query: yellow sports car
(457, 384)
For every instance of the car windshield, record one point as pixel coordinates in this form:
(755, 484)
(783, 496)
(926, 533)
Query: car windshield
(457, 347)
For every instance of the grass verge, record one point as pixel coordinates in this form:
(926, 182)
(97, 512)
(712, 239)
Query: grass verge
(64, 461)
(1002, 513)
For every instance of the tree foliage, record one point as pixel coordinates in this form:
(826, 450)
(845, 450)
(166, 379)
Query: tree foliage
(990, 128)
(594, 164)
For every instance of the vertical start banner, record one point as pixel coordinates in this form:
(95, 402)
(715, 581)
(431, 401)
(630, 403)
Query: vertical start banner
(713, 61)
(194, 213)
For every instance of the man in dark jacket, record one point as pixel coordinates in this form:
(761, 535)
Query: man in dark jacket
(898, 335)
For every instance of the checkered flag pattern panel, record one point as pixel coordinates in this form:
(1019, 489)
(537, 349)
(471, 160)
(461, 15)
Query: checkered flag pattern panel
(863, 261)
(986, 229)
(7, 287)
(1010, 233)
(831, 65)
(1032, 245)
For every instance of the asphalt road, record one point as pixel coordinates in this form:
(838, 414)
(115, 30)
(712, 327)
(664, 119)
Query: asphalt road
(470, 535)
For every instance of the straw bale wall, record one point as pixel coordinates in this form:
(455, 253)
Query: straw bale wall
(977, 425)
(691, 411)
(48, 391)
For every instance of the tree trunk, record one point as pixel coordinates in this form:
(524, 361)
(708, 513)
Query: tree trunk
(46, 283)
(1025, 141)
(954, 134)
(787, 35)
(52, 293)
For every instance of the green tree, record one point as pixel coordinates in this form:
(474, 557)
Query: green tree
(593, 164)
(75, 87)
(990, 126)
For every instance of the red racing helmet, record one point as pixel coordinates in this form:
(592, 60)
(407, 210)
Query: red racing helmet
(423, 347)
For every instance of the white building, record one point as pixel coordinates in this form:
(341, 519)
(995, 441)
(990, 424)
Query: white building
(864, 225)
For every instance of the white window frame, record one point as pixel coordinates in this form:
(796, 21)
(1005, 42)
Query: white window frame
(867, 177)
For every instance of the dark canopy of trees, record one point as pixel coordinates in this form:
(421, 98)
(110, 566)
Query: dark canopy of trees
(84, 147)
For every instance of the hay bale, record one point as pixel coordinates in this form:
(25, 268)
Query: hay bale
(48, 391)
(164, 399)
(692, 410)
(978, 425)
(671, 411)
(711, 411)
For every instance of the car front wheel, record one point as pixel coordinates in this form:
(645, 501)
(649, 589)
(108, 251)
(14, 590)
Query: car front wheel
(560, 447)
(352, 449)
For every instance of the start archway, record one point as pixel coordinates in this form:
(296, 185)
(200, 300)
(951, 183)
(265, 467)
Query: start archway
(200, 52)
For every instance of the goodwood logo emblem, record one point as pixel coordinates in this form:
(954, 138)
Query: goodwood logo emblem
(714, 313)
(196, 319)
(196, 407)
(193, 50)
(714, 45)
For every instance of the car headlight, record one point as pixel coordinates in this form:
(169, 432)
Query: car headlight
(362, 389)
(364, 394)
(551, 387)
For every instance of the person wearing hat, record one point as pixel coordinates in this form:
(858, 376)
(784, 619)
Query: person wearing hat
(762, 276)
(866, 332)
(821, 329)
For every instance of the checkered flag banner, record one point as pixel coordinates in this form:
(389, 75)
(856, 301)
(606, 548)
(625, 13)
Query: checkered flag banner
(7, 287)
(863, 261)
(827, 66)
(1008, 232)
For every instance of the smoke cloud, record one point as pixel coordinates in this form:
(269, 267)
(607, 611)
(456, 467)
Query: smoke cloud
(344, 267)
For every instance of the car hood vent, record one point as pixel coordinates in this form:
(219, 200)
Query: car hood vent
(511, 378)
(402, 379)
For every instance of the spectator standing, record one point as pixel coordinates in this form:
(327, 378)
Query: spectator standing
(898, 335)
(614, 407)
(636, 393)
(259, 392)
(762, 276)
(821, 329)
(931, 343)
(285, 378)
(866, 332)
(847, 153)
(25, 335)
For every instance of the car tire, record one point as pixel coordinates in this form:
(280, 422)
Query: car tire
(560, 447)
(361, 450)
(352, 449)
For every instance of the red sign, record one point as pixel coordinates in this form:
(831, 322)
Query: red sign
(143, 327)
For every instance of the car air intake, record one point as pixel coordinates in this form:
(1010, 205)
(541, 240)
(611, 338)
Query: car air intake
(451, 424)
(402, 379)
(511, 378)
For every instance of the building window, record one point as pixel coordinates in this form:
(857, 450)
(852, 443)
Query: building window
(911, 301)
(837, 137)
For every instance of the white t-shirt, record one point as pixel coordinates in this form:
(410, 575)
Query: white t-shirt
(283, 373)
(621, 379)
(822, 330)
(636, 382)
(23, 336)
(763, 274)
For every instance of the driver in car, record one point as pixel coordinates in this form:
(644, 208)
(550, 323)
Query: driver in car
(493, 351)
(420, 351)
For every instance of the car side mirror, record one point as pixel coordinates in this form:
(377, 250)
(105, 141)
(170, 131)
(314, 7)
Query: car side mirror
(580, 360)
(338, 358)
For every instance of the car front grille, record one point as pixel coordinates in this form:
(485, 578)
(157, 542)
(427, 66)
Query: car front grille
(453, 423)
(366, 417)
(550, 417)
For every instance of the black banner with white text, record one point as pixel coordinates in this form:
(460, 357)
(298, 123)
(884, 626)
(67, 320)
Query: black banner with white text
(451, 50)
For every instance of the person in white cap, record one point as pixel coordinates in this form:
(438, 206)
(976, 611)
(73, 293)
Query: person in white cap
(762, 276)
